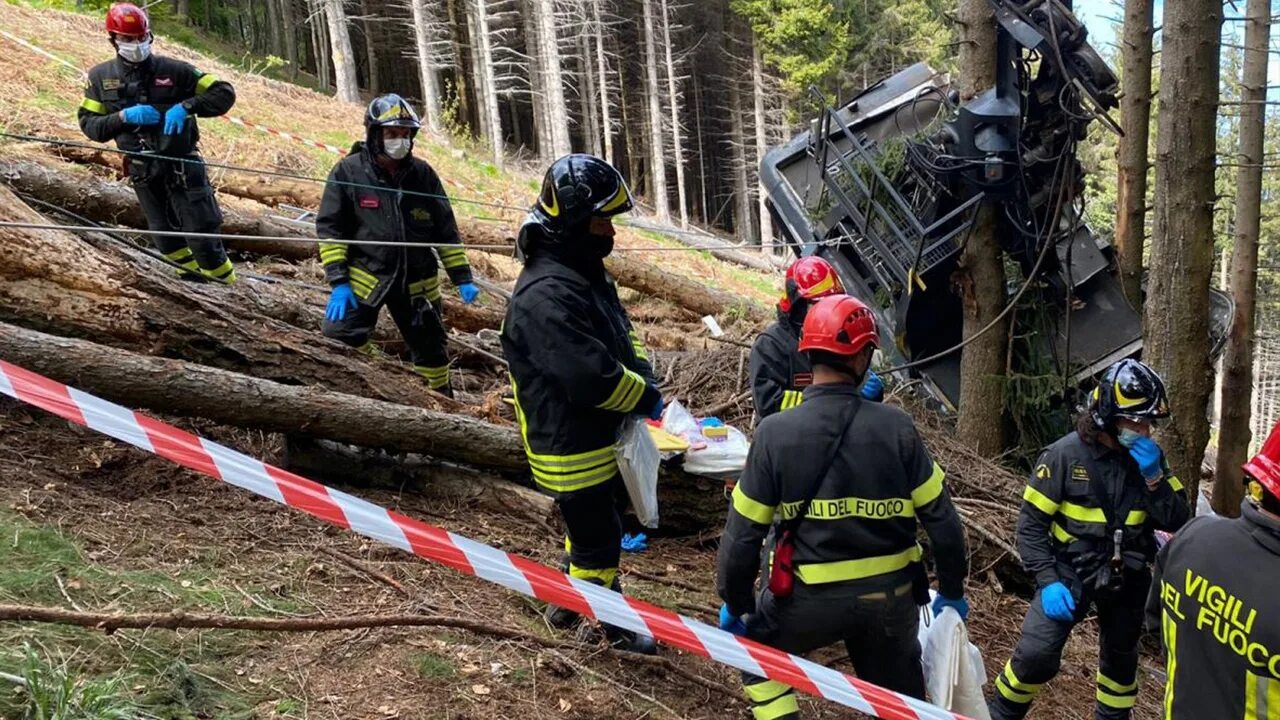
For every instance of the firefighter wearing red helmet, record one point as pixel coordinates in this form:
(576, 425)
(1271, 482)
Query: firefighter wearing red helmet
(1086, 535)
(841, 482)
(149, 104)
(779, 371)
(1213, 600)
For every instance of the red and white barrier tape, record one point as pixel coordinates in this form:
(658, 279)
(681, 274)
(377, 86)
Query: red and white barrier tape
(45, 53)
(461, 554)
(281, 133)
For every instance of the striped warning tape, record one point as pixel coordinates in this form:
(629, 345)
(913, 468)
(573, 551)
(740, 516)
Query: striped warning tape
(45, 53)
(281, 133)
(461, 554)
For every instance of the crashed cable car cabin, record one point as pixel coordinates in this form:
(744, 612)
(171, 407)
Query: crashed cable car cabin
(886, 186)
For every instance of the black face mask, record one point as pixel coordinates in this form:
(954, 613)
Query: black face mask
(602, 245)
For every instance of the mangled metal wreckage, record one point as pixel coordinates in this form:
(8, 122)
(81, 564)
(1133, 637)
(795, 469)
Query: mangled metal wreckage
(887, 184)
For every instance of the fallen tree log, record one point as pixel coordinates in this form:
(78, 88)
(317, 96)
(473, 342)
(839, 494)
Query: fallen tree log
(630, 271)
(53, 281)
(187, 389)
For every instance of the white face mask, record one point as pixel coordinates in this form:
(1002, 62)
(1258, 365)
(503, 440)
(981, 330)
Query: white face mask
(134, 52)
(397, 149)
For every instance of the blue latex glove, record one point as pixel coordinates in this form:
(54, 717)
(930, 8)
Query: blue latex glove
(341, 300)
(635, 543)
(175, 120)
(873, 387)
(729, 623)
(960, 605)
(1057, 602)
(141, 115)
(1148, 455)
(469, 292)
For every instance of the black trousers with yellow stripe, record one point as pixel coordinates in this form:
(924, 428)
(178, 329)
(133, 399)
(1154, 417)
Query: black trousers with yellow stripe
(1038, 655)
(178, 197)
(419, 323)
(593, 523)
(878, 628)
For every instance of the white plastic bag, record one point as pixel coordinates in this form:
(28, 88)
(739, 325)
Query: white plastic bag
(638, 461)
(721, 458)
(953, 669)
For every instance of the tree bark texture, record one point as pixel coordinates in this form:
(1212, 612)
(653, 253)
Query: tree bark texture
(553, 82)
(657, 167)
(1131, 152)
(1176, 327)
(762, 145)
(1237, 364)
(602, 69)
(488, 83)
(673, 103)
(422, 24)
(344, 61)
(184, 388)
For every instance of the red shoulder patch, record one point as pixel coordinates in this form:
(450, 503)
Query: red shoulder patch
(165, 81)
(370, 202)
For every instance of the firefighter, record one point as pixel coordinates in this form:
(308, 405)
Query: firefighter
(1212, 592)
(578, 368)
(842, 482)
(149, 104)
(381, 192)
(1085, 533)
(780, 372)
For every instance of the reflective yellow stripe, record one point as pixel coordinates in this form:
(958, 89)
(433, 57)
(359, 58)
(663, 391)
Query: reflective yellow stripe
(851, 507)
(790, 399)
(626, 394)
(423, 286)
(1082, 513)
(930, 489)
(818, 573)
(783, 706)
(363, 282)
(1040, 500)
(1012, 695)
(765, 691)
(1015, 682)
(453, 257)
(436, 376)
(603, 576)
(93, 106)
(1061, 534)
(221, 272)
(332, 252)
(363, 276)
(751, 509)
(1136, 517)
(1171, 660)
(564, 473)
(570, 482)
(1116, 687)
(575, 461)
(205, 82)
(638, 345)
(1262, 697)
(180, 255)
(1174, 483)
(1251, 697)
(618, 199)
(1120, 702)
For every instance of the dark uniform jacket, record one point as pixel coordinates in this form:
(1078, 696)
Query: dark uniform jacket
(362, 203)
(1215, 596)
(861, 526)
(1063, 529)
(157, 81)
(577, 369)
(779, 372)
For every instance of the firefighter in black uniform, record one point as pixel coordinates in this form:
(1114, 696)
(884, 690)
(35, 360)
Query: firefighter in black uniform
(380, 192)
(845, 480)
(149, 104)
(578, 368)
(1086, 533)
(1213, 595)
(780, 372)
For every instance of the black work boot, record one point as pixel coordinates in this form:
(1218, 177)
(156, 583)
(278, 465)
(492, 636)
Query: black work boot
(628, 641)
(560, 618)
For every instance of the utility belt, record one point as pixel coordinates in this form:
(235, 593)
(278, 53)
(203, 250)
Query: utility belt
(179, 172)
(1100, 564)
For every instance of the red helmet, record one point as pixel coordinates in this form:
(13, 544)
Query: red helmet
(839, 324)
(1265, 466)
(809, 278)
(127, 19)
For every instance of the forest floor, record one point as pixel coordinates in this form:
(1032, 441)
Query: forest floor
(88, 523)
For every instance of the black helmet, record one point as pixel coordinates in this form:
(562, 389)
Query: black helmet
(576, 188)
(1129, 389)
(389, 110)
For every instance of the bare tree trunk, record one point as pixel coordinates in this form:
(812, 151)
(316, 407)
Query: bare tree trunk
(462, 39)
(1131, 153)
(673, 101)
(702, 156)
(1237, 364)
(657, 170)
(320, 41)
(541, 124)
(553, 82)
(1176, 333)
(371, 43)
(344, 61)
(602, 68)
(742, 214)
(422, 24)
(628, 134)
(487, 82)
(290, 37)
(980, 277)
(762, 145)
(587, 94)
(274, 28)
